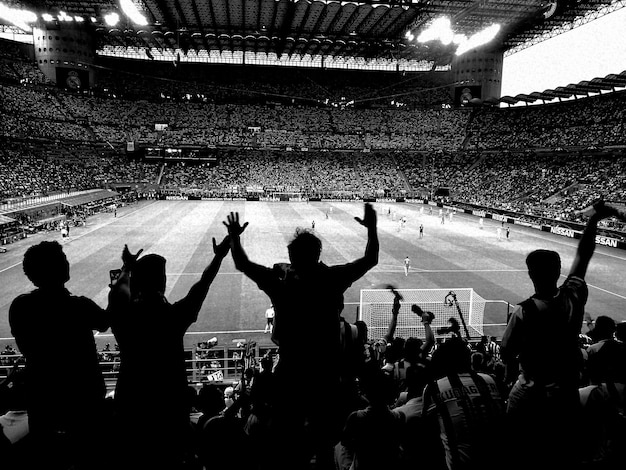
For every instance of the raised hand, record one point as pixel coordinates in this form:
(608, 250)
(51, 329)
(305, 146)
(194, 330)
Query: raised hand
(128, 258)
(233, 226)
(602, 211)
(222, 248)
(369, 217)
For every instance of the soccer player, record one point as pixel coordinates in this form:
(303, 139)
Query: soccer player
(480, 223)
(407, 265)
(421, 230)
(313, 225)
(269, 318)
(499, 233)
(508, 232)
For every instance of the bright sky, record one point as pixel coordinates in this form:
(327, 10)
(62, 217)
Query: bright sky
(596, 49)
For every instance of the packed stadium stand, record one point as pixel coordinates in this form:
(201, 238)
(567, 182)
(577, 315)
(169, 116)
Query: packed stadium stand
(172, 130)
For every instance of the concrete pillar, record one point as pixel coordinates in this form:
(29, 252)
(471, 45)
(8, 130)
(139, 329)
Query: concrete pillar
(65, 52)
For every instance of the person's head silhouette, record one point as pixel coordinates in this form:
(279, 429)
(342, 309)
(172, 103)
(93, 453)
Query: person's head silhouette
(544, 269)
(304, 250)
(46, 265)
(148, 276)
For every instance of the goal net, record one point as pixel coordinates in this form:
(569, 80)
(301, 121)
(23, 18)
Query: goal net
(376, 304)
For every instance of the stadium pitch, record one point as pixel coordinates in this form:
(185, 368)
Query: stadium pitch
(455, 254)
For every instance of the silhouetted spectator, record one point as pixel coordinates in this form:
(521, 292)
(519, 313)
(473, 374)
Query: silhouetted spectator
(140, 310)
(371, 437)
(308, 299)
(468, 408)
(606, 357)
(542, 337)
(64, 400)
(15, 441)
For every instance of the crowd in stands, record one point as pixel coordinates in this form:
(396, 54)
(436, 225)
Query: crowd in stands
(28, 168)
(295, 172)
(485, 157)
(585, 122)
(334, 397)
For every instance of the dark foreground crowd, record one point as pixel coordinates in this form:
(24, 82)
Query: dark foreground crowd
(545, 397)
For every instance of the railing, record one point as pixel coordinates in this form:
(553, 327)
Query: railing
(218, 364)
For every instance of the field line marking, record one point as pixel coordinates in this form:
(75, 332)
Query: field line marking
(607, 291)
(399, 270)
(10, 267)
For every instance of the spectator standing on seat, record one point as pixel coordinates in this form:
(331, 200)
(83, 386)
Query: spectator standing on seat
(140, 310)
(541, 342)
(308, 299)
(65, 401)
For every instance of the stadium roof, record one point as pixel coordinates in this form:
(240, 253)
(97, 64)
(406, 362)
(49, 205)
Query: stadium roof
(370, 29)
(608, 83)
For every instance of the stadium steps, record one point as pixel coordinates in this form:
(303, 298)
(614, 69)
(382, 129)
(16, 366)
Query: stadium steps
(161, 171)
(407, 185)
(557, 196)
(478, 161)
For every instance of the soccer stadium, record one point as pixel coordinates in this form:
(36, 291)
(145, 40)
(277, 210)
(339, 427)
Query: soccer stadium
(310, 235)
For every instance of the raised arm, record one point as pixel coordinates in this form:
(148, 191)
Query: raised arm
(395, 310)
(587, 244)
(198, 292)
(352, 271)
(370, 259)
(429, 338)
(242, 262)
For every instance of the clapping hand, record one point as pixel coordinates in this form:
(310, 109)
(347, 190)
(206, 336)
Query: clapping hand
(223, 247)
(128, 258)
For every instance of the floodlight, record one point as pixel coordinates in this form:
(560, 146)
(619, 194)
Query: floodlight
(94, 19)
(111, 19)
(130, 10)
(19, 18)
(47, 17)
(79, 19)
(479, 39)
(64, 16)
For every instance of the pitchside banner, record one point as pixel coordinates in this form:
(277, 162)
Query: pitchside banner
(557, 230)
(570, 233)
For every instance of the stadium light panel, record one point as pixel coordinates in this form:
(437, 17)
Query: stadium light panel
(64, 17)
(19, 18)
(111, 19)
(79, 19)
(440, 29)
(47, 17)
(479, 39)
(133, 13)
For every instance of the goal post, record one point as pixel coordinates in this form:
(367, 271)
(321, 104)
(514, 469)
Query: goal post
(375, 310)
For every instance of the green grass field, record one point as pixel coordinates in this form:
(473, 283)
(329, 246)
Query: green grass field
(453, 255)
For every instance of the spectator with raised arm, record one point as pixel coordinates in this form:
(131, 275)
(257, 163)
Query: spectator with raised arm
(541, 343)
(139, 310)
(308, 299)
